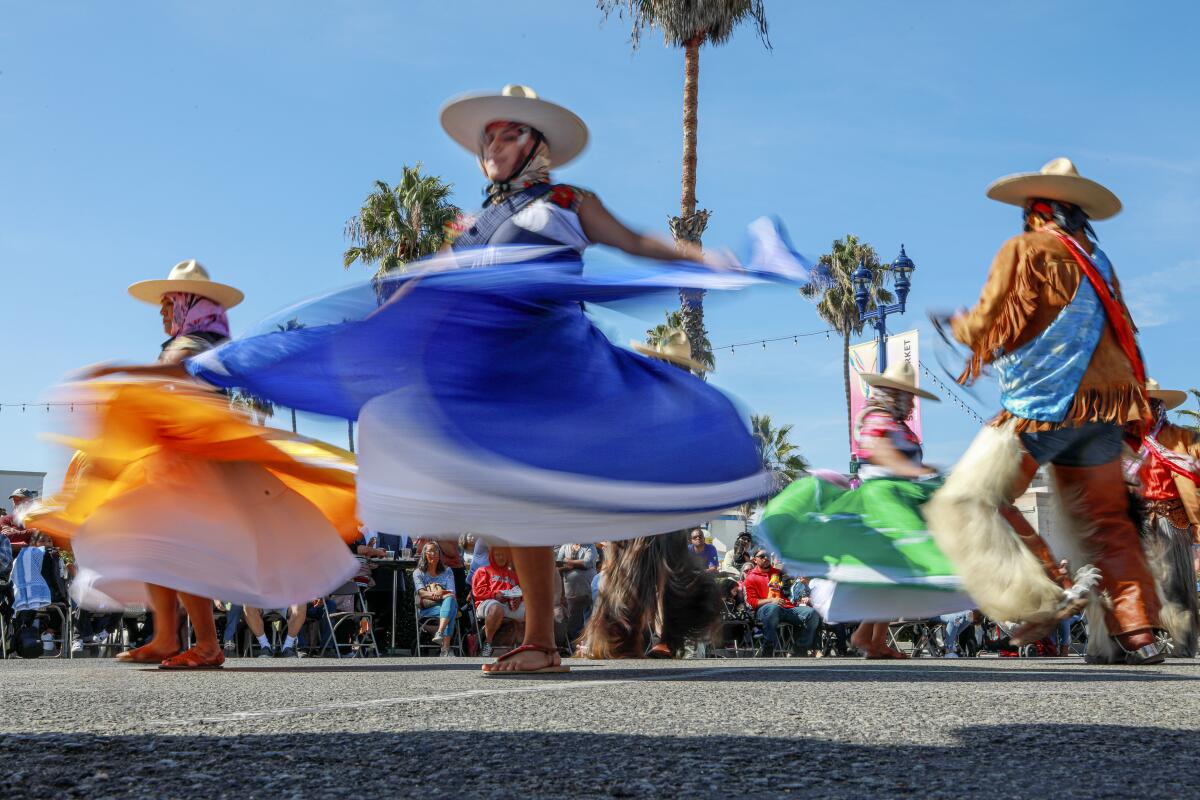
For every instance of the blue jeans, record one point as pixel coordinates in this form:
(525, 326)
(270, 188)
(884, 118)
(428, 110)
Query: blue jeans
(1089, 445)
(803, 617)
(448, 609)
(955, 625)
(232, 618)
(1062, 636)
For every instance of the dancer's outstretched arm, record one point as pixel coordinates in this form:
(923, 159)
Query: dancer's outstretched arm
(603, 228)
(176, 370)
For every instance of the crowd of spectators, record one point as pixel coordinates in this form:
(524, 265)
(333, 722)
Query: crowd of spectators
(467, 598)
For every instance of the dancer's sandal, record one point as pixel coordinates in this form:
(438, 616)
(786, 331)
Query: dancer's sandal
(190, 659)
(660, 651)
(550, 668)
(140, 655)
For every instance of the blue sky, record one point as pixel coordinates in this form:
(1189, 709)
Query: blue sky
(135, 135)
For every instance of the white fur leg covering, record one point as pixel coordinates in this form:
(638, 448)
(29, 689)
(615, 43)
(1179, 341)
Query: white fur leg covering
(1068, 537)
(998, 571)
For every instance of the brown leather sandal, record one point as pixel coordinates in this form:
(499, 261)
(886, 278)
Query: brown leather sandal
(189, 659)
(550, 668)
(141, 655)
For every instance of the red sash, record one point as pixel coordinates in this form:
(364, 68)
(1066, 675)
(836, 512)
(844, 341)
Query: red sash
(1113, 308)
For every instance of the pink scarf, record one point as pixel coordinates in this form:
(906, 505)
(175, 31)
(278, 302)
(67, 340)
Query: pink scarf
(191, 313)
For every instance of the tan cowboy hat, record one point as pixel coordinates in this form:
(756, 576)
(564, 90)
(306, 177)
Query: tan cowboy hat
(187, 276)
(675, 348)
(901, 377)
(465, 117)
(1058, 180)
(1171, 398)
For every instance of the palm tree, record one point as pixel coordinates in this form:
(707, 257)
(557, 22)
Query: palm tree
(835, 298)
(398, 225)
(690, 24)
(293, 324)
(1194, 416)
(778, 454)
(659, 333)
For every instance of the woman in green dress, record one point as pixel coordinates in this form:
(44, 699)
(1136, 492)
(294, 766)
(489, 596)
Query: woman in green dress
(868, 549)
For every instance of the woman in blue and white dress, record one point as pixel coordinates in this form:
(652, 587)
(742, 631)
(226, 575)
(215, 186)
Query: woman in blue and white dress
(488, 401)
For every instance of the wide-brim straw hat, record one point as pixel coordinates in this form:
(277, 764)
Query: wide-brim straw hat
(466, 116)
(1170, 398)
(674, 348)
(901, 377)
(187, 276)
(1057, 180)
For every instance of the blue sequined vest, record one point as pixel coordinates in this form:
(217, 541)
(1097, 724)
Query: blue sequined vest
(1039, 380)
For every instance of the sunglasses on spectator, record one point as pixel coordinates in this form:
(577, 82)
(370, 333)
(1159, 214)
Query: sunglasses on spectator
(760, 555)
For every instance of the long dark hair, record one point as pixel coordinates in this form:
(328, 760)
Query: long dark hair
(423, 565)
(651, 582)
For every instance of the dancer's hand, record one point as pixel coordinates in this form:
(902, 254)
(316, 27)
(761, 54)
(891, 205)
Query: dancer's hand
(721, 260)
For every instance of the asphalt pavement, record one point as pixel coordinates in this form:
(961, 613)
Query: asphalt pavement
(433, 728)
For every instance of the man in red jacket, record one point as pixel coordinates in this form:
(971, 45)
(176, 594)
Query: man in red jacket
(771, 607)
(497, 594)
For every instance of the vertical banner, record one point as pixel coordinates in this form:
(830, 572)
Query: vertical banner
(900, 347)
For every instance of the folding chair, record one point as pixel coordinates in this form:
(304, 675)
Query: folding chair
(429, 625)
(63, 612)
(336, 619)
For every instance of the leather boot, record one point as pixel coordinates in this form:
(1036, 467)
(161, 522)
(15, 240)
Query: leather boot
(1100, 500)
(1025, 532)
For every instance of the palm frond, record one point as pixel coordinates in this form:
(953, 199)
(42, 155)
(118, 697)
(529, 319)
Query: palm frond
(684, 20)
(400, 224)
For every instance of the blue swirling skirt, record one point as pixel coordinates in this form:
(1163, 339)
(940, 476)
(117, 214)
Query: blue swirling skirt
(488, 402)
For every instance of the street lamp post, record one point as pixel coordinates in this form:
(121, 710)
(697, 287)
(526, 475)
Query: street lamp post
(902, 267)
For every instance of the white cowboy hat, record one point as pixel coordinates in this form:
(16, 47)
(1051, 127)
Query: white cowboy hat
(675, 348)
(901, 377)
(187, 276)
(1171, 398)
(465, 117)
(1058, 180)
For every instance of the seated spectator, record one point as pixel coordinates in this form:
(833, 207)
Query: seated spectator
(800, 593)
(1062, 635)
(736, 616)
(737, 558)
(705, 554)
(37, 582)
(233, 616)
(577, 563)
(955, 625)
(498, 597)
(13, 530)
(764, 593)
(93, 627)
(296, 616)
(434, 583)
(452, 559)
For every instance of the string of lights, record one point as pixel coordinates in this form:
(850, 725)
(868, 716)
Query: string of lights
(954, 398)
(794, 338)
(46, 405)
